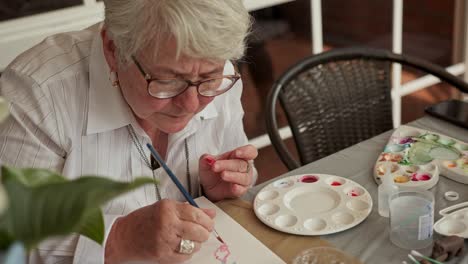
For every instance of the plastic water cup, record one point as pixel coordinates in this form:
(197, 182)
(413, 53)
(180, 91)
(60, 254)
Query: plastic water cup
(320, 255)
(412, 219)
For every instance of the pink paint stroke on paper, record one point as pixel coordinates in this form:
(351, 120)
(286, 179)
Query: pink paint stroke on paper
(222, 253)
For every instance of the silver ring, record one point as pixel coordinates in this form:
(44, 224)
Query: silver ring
(186, 246)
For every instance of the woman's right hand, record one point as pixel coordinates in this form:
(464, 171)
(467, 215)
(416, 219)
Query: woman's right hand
(153, 233)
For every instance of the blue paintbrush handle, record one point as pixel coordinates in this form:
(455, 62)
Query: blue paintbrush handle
(172, 176)
(187, 196)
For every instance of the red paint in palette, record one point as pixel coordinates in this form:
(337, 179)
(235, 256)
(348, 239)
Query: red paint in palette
(420, 177)
(335, 183)
(353, 193)
(309, 179)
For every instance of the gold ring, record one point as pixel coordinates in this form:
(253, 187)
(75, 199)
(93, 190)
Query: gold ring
(186, 246)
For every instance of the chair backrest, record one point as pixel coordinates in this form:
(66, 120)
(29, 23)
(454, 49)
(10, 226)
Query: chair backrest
(338, 98)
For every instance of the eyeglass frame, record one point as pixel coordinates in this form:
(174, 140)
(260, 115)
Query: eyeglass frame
(149, 79)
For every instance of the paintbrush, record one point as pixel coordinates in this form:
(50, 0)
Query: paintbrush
(418, 254)
(176, 181)
(413, 259)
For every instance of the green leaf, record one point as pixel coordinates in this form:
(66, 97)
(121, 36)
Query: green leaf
(93, 225)
(31, 177)
(53, 206)
(5, 240)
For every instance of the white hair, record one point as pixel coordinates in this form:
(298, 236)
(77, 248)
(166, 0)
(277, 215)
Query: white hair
(211, 29)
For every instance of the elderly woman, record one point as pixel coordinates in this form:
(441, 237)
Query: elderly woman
(157, 72)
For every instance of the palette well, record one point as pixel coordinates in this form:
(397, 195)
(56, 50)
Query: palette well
(411, 176)
(455, 222)
(312, 204)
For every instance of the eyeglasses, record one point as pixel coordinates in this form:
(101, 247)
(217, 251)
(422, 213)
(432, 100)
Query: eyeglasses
(168, 88)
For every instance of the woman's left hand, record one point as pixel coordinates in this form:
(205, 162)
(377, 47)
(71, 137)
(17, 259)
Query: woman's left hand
(228, 175)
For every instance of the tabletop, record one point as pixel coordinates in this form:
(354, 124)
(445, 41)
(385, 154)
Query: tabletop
(369, 241)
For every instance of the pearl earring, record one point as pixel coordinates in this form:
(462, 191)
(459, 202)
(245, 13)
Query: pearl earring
(114, 79)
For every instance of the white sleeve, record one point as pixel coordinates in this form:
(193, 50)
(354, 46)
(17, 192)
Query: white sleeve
(88, 251)
(30, 136)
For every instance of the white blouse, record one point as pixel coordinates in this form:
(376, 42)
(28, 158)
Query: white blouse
(66, 116)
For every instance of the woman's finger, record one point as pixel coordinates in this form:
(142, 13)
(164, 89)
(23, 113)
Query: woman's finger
(247, 152)
(239, 178)
(238, 190)
(233, 165)
(187, 212)
(192, 231)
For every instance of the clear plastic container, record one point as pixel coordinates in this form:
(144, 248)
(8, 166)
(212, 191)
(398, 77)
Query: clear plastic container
(385, 190)
(320, 255)
(412, 219)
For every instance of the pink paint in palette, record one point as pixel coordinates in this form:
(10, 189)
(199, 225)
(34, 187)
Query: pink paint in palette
(420, 177)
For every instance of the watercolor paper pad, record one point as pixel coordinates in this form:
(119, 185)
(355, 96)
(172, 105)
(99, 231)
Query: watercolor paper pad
(243, 247)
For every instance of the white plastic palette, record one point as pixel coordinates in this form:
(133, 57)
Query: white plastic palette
(455, 223)
(425, 176)
(312, 204)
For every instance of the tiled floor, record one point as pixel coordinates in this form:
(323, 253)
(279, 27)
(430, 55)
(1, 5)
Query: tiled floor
(285, 51)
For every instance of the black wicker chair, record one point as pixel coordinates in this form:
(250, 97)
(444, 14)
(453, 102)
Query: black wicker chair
(338, 98)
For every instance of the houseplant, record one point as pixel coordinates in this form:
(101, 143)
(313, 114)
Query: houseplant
(36, 204)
